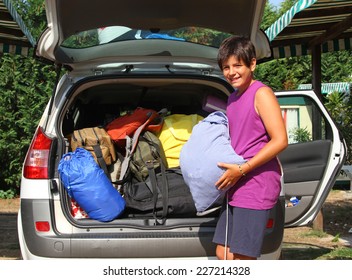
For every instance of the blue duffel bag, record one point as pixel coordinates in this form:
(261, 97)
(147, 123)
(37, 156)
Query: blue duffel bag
(89, 186)
(208, 145)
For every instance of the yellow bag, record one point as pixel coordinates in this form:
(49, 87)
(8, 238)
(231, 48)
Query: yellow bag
(175, 132)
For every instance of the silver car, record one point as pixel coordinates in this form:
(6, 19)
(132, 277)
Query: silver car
(156, 55)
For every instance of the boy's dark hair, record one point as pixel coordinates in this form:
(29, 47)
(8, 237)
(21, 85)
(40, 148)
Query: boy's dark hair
(239, 46)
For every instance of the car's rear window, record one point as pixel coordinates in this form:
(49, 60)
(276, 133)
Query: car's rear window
(110, 34)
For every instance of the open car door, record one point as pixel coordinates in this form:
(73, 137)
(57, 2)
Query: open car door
(314, 157)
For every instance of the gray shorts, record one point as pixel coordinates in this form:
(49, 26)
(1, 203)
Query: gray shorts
(245, 231)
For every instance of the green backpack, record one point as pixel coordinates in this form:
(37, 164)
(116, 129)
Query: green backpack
(148, 151)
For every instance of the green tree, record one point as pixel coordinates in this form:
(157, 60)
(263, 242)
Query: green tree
(301, 135)
(25, 86)
(285, 6)
(337, 66)
(270, 16)
(33, 14)
(340, 109)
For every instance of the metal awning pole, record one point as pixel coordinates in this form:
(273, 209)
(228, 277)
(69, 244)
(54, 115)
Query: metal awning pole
(316, 68)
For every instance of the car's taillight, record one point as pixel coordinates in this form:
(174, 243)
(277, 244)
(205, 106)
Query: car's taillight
(36, 163)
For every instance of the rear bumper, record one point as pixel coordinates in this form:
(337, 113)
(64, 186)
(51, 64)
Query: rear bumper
(109, 242)
(120, 242)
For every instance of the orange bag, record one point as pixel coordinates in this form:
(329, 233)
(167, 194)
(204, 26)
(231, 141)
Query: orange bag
(127, 124)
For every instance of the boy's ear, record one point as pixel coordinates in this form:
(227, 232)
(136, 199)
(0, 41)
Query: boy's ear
(253, 64)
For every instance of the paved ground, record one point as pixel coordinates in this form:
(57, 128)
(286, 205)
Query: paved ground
(9, 247)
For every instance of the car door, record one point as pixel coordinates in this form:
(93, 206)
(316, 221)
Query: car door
(314, 157)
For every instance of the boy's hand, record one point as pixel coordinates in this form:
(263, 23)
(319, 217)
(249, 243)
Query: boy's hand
(230, 177)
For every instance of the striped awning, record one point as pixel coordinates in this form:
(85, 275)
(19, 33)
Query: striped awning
(15, 37)
(327, 88)
(309, 23)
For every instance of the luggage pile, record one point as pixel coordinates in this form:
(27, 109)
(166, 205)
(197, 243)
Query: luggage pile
(129, 167)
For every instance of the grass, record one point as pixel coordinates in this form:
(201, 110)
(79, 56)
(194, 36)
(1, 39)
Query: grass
(315, 233)
(317, 253)
(337, 254)
(304, 252)
(336, 238)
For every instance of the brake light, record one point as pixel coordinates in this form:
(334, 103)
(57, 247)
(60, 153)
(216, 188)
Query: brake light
(36, 163)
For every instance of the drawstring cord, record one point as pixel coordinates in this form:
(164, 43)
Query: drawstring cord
(227, 225)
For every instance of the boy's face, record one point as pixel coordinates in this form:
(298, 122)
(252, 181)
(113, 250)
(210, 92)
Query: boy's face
(237, 73)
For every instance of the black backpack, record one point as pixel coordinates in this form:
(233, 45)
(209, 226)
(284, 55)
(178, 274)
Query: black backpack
(161, 195)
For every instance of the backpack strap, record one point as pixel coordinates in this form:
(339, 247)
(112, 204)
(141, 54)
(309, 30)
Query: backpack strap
(99, 155)
(154, 184)
(164, 191)
(75, 137)
(131, 145)
(100, 159)
(155, 187)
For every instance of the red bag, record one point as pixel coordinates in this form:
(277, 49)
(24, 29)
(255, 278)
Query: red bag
(126, 125)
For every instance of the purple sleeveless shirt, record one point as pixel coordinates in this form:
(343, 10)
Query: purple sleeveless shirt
(260, 188)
